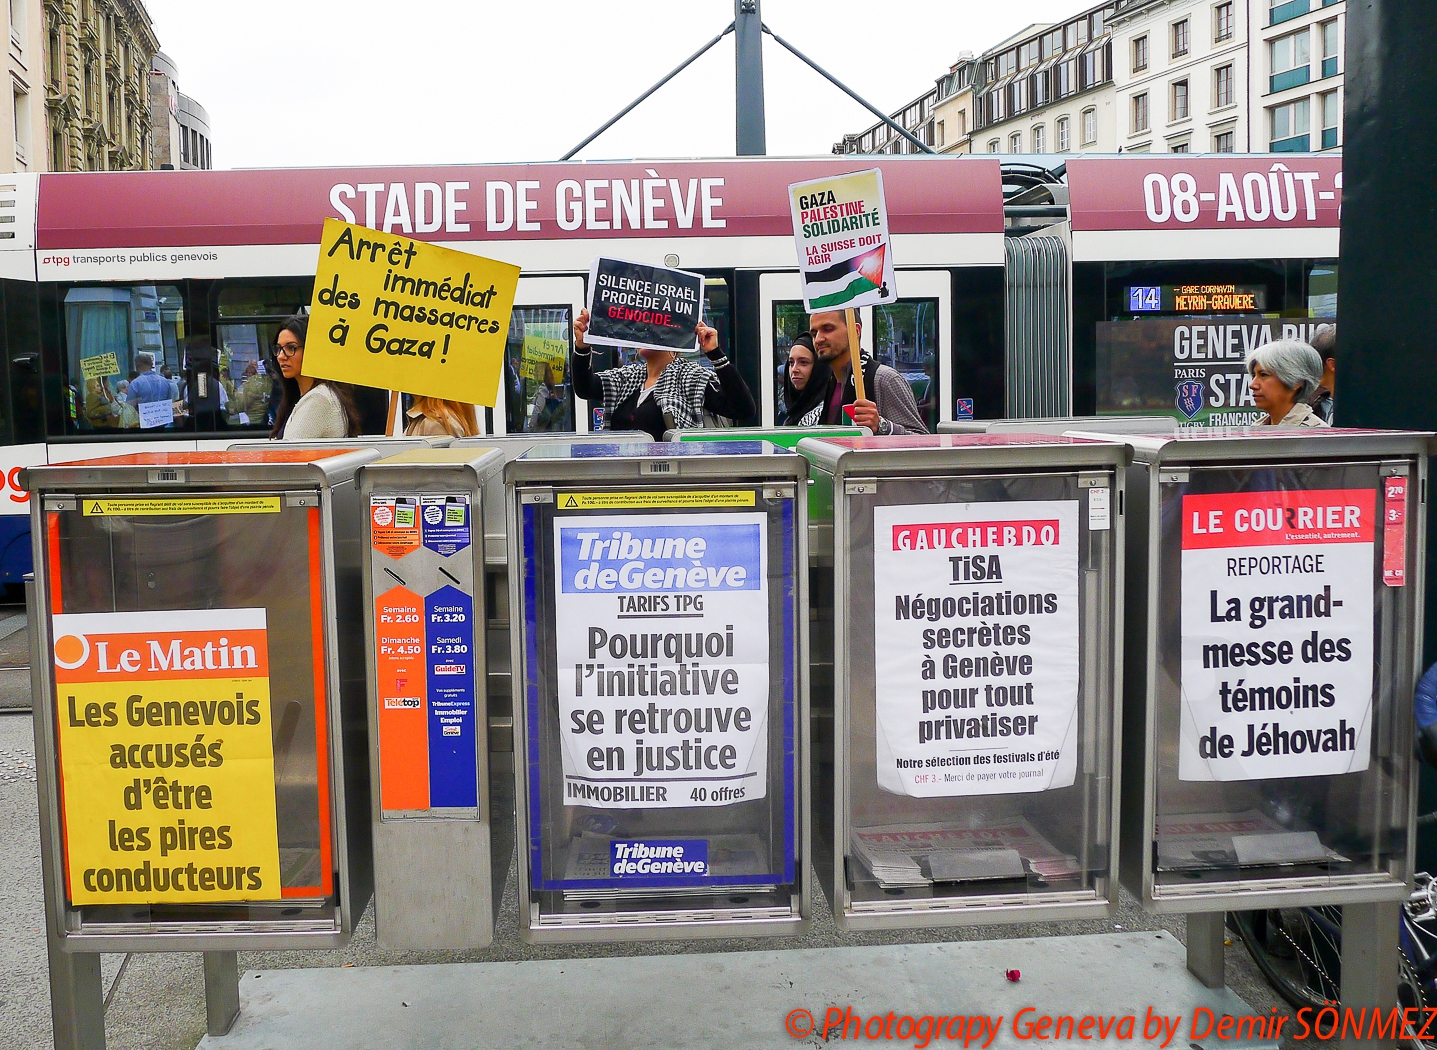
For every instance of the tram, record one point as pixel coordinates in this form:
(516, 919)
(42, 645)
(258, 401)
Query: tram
(1027, 286)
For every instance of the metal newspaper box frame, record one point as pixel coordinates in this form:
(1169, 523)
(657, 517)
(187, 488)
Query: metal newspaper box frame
(1047, 468)
(768, 903)
(1107, 425)
(1172, 465)
(320, 485)
(496, 572)
(439, 854)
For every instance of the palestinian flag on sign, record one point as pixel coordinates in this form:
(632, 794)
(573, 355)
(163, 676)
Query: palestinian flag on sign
(844, 281)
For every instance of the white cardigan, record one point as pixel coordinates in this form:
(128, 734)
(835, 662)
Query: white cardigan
(318, 414)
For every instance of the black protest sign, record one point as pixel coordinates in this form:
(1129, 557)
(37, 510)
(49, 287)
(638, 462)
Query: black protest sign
(634, 304)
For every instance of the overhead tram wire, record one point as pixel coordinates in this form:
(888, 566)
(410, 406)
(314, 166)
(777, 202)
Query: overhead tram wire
(630, 107)
(850, 92)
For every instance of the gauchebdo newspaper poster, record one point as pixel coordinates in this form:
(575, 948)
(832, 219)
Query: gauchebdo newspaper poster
(976, 647)
(663, 647)
(1276, 634)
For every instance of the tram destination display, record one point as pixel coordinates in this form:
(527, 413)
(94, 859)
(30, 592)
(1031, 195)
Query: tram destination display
(639, 305)
(1277, 629)
(662, 639)
(1190, 368)
(976, 648)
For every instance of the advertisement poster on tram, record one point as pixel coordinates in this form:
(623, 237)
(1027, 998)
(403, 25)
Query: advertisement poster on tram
(1276, 633)
(642, 306)
(976, 618)
(1190, 368)
(166, 756)
(840, 225)
(662, 631)
(400, 314)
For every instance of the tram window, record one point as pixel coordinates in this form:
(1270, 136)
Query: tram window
(1322, 290)
(248, 373)
(538, 397)
(790, 320)
(107, 329)
(271, 298)
(905, 337)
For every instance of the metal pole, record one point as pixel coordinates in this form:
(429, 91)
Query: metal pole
(630, 107)
(1369, 962)
(1206, 959)
(922, 146)
(750, 137)
(77, 992)
(221, 991)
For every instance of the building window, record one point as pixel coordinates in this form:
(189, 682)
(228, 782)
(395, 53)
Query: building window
(1140, 54)
(939, 131)
(1180, 100)
(1222, 86)
(1065, 138)
(1223, 142)
(1222, 22)
(1181, 147)
(22, 127)
(1140, 112)
(1290, 56)
(1040, 139)
(1180, 38)
(992, 145)
(1290, 128)
(1331, 111)
(1015, 142)
(1090, 126)
(1329, 48)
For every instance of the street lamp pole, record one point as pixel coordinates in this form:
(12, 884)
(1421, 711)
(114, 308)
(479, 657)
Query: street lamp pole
(749, 132)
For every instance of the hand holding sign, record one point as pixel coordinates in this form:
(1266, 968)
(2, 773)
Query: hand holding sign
(399, 314)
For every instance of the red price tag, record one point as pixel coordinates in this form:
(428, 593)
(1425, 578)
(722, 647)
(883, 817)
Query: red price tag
(1394, 532)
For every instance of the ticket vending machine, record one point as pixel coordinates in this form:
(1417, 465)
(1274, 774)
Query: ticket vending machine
(440, 859)
(977, 584)
(1274, 636)
(200, 673)
(659, 663)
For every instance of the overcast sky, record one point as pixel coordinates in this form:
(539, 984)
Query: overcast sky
(359, 82)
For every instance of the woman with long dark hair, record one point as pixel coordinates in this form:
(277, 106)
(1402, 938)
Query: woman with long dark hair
(308, 408)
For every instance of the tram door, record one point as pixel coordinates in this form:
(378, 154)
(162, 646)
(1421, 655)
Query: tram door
(535, 392)
(913, 335)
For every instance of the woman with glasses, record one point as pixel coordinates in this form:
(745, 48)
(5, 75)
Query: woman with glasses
(308, 408)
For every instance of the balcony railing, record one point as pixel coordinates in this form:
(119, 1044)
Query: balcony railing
(1295, 144)
(1290, 79)
(1329, 138)
(1329, 67)
(1291, 9)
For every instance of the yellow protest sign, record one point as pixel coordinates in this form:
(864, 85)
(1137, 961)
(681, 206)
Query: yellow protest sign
(666, 500)
(400, 314)
(166, 757)
(100, 366)
(539, 351)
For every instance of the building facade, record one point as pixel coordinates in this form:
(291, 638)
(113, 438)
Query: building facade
(180, 126)
(1049, 89)
(1181, 70)
(1297, 59)
(97, 84)
(916, 118)
(25, 59)
(953, 115)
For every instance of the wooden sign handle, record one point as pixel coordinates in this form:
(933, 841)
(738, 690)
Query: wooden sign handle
(393, 413)
(854, 358)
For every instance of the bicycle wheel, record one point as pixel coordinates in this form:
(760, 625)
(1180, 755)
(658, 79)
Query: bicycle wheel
(1414, 991)
(1298, 950)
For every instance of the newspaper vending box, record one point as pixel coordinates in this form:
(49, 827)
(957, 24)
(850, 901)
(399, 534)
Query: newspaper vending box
(1274, 625)
(659, 669)
(976, 616)
(440, 857)
(204, 778)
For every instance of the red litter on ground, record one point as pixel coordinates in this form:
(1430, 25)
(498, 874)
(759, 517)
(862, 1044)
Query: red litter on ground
(1013, 975)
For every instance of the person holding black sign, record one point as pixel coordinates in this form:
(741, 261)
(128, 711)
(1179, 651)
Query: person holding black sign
(661, 391)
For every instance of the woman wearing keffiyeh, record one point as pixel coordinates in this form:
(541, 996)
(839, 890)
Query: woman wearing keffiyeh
(661, 391)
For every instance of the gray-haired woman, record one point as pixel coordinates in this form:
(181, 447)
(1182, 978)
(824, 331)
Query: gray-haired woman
(1284, 375)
